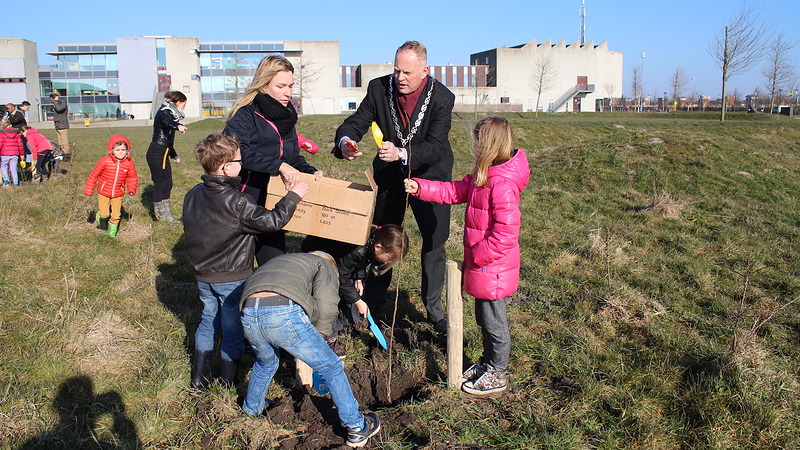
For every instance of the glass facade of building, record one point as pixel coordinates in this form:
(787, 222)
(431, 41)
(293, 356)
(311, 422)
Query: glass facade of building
(86, 76)
(226, 70)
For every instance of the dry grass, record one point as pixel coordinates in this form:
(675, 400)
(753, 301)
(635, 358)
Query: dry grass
(610, 247)
(105, 345)
(630, 307)
(667, 207)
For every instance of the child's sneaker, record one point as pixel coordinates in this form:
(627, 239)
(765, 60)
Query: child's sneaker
(474, 371)
(489, 382)
(336, 346)
(359, 438)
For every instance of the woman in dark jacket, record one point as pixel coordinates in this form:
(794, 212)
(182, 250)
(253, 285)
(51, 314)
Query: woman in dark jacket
(161, 150)
(263, 120)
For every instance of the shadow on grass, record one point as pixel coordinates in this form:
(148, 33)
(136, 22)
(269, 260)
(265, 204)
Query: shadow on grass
(147, 200)
(80, 409)
(176, 288)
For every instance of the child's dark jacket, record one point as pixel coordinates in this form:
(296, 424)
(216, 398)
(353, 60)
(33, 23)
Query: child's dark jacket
(220, 225)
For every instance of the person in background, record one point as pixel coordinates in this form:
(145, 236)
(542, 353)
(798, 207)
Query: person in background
(492, 222)
(16, 116)
(263, 120)
(61, 122)
(113, 175)
(162, 149)
(220, 224)
(414, 112)
(11, 153)
(289, 303)
(41, 151)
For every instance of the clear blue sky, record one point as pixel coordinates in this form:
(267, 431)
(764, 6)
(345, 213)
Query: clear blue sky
(672, 33)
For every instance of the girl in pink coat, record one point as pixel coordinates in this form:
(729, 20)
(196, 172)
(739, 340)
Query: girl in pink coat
(491, 242)
(11, 150)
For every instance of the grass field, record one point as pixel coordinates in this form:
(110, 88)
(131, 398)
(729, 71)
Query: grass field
(657, 307)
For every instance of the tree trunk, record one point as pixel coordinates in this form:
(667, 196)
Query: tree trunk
(724, 74)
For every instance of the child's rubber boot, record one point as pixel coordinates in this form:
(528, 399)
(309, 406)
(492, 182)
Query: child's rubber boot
(229, 372)
(201, 369)
(112, 229)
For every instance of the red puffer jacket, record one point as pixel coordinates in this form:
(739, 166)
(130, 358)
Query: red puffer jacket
(37, 142)
(11, 143)
(113, 176)
(491, 225)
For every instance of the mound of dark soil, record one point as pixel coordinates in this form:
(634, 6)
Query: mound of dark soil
(369, 379)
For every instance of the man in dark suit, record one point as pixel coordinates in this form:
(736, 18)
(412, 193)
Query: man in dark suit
(413, 110)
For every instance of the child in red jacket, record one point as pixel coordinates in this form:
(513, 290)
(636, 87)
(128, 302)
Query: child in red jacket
(113, 175)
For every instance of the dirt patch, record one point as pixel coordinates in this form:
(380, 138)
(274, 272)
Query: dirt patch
(369, 380)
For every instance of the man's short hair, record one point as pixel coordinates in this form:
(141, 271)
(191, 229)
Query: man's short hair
(53, 95)
(215, 150)
(25, 103)
(416, 47)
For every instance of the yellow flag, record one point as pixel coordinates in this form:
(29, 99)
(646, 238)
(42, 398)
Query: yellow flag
(377, 134)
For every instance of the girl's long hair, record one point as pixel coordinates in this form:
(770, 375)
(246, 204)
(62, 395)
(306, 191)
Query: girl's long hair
(265, 72)
(493, 144)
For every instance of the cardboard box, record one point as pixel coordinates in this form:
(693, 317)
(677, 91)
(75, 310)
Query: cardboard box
(333, 209)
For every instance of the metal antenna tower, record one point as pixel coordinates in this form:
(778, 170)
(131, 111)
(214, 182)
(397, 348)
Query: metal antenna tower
(583, 22)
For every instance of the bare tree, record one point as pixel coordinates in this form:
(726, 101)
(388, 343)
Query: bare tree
(735, 99)
(306, 74)
(636, 86)
(738, 46)
(755, 99)
(478, 89)
(237, 75)
(610, 92)
(544, 74)
(678, 82)
(779, 71)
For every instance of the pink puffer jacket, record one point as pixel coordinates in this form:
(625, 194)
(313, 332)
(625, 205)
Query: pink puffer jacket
(37, 142)
(11, 143)
(491, 225)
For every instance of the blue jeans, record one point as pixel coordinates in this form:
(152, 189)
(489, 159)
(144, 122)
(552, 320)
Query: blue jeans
(269, 328)
(221, 314)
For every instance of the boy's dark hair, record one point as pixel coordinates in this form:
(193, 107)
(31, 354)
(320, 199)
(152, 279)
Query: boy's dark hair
(393, 240)
(215, 150)
(25, 103)
(175, 96)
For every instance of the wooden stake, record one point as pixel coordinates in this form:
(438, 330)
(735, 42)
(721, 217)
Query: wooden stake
(455, 325)
(303, 372)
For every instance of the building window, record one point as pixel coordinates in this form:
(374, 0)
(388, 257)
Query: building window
(161, 53)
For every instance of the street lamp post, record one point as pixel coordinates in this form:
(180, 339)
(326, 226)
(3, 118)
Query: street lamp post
(641, 96)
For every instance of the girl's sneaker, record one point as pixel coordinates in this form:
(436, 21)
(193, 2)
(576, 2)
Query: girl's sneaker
(474, 371)
(489, 382)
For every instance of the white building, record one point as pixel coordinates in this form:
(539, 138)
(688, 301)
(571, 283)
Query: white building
(130, 75)
(578, 76)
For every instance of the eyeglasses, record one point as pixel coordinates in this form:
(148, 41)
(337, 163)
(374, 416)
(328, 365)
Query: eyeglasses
(234, 161)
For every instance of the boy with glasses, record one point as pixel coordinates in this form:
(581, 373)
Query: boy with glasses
(220, 225)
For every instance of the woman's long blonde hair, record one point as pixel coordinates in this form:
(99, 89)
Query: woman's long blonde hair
(265, 72)
(493, 144)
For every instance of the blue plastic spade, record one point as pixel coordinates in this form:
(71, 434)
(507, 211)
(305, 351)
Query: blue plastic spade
(319, 384)
(376, 332)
